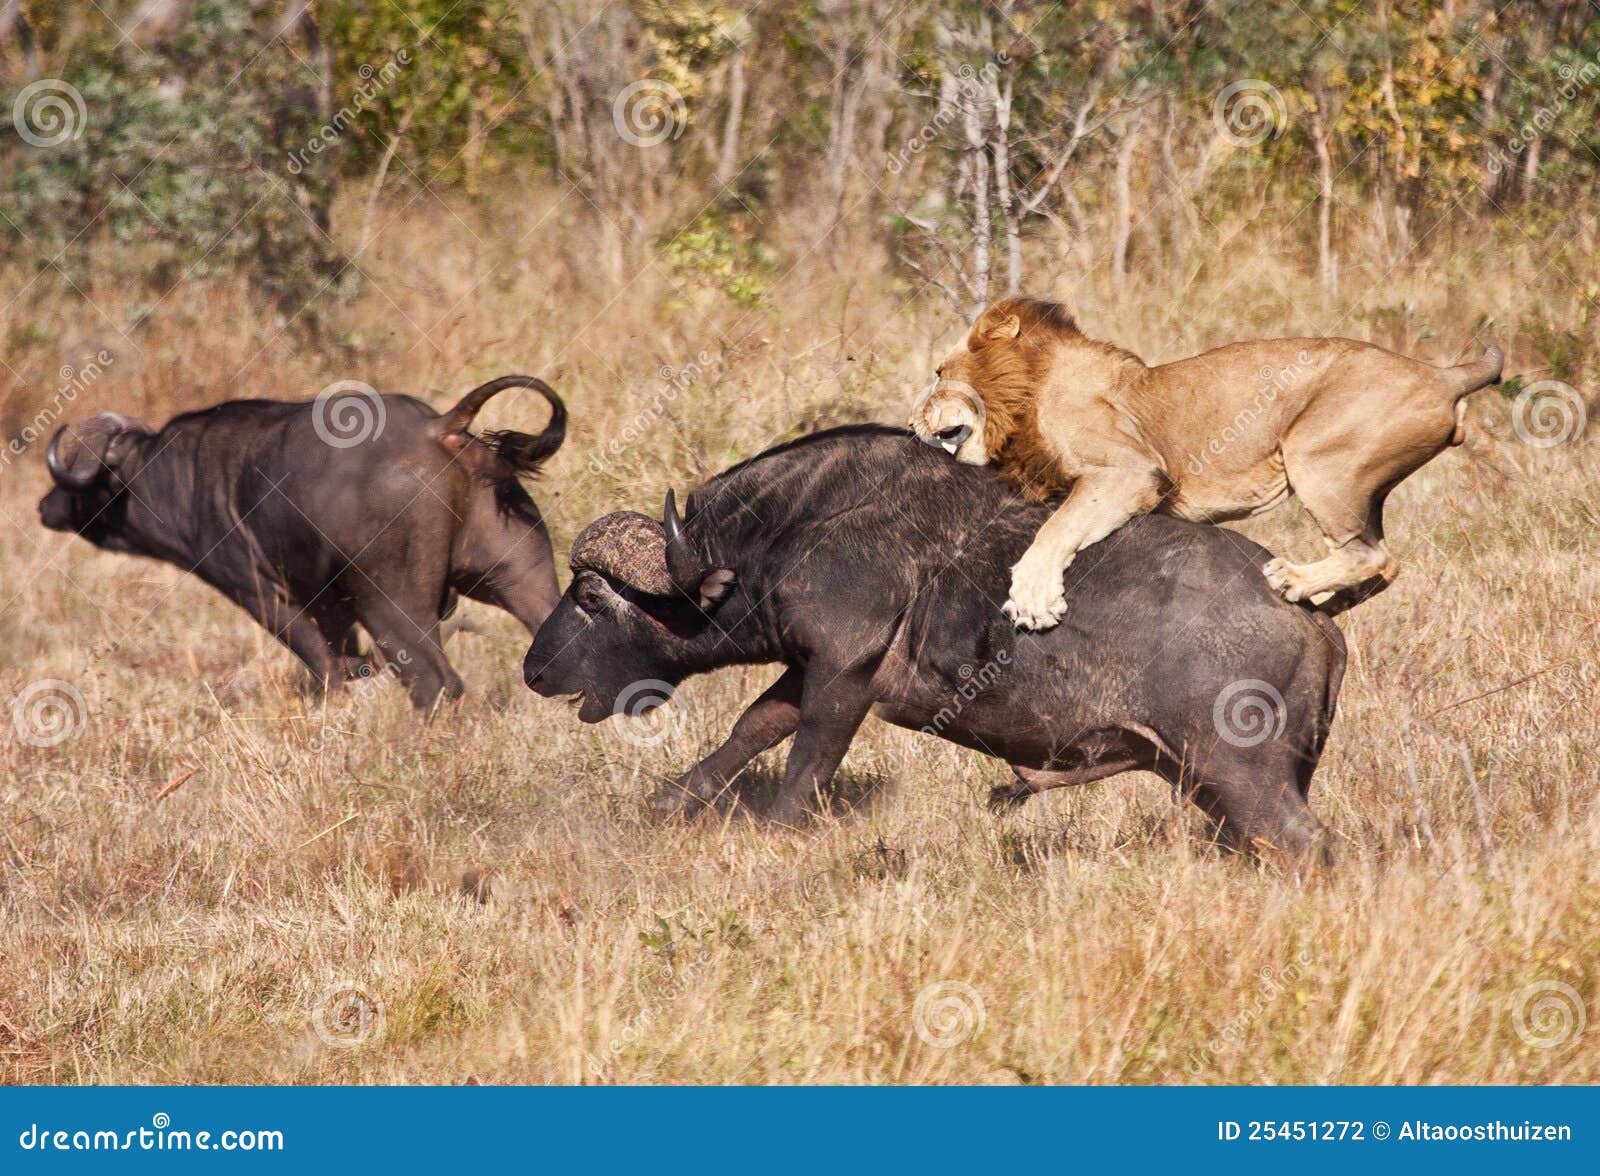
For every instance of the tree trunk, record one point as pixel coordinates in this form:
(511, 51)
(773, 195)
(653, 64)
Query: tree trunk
(1493, 163)
(1530, 167)
(1321, 129)
(1124, 187)
(977, 150)
(728, 160)
(1000, 96)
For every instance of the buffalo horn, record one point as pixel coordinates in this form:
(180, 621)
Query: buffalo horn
(683, 566)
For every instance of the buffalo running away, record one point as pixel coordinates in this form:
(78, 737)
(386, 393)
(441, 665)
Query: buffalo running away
(1176, 656)
(313, 536)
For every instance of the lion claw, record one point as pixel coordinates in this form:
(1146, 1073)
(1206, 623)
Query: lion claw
(1036, 615)
(1038, 596)
(1284, 577)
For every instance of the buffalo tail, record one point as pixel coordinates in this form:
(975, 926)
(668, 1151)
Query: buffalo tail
(523, 452)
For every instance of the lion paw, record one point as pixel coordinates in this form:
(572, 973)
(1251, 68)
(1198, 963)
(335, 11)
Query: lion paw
(1038, 598)
(1287, 578)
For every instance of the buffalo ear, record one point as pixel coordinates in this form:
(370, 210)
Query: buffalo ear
(716, 587)
(123, 444)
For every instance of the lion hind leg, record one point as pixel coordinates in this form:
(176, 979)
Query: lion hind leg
(1356, 563)
(1350, 517)
(1342, 471)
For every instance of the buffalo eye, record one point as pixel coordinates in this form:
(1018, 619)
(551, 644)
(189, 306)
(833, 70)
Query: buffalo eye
(591, 597)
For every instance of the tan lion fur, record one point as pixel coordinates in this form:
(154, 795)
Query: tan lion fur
(1223, 435)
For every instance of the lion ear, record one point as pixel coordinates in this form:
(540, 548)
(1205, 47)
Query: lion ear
(1007, 328)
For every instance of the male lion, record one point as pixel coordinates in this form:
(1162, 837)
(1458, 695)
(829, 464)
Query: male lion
(1223, 435)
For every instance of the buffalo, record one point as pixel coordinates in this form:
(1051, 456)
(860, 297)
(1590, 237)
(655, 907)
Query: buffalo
(315, 517)
(874, 570)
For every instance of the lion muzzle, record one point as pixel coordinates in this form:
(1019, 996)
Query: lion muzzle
(950, 440)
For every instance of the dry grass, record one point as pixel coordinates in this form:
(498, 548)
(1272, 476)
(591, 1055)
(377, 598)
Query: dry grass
(183, 879)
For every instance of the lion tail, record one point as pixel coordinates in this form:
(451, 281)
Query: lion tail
(1466, 378)
(1480, 373)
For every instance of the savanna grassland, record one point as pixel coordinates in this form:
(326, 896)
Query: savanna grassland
(713, 226)
(185, 875)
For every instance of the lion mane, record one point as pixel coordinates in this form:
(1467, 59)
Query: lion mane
(1007, 381)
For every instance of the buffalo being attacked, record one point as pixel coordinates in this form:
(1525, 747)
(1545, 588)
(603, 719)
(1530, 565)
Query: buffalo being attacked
(874, 570)
(313, 533)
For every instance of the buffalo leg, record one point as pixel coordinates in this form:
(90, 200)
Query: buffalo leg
(338, 622)
(1028, 782)
(504, 559)
(407, 633)
(833, 704)
(1272, 823)
(530, 597)
(290, 624)
(1032, 781)
(766, 722)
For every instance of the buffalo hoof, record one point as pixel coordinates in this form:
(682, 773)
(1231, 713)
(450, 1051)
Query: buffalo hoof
(1006, 798)
(676, 800)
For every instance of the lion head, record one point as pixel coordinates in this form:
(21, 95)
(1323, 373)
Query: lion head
(982, 407)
